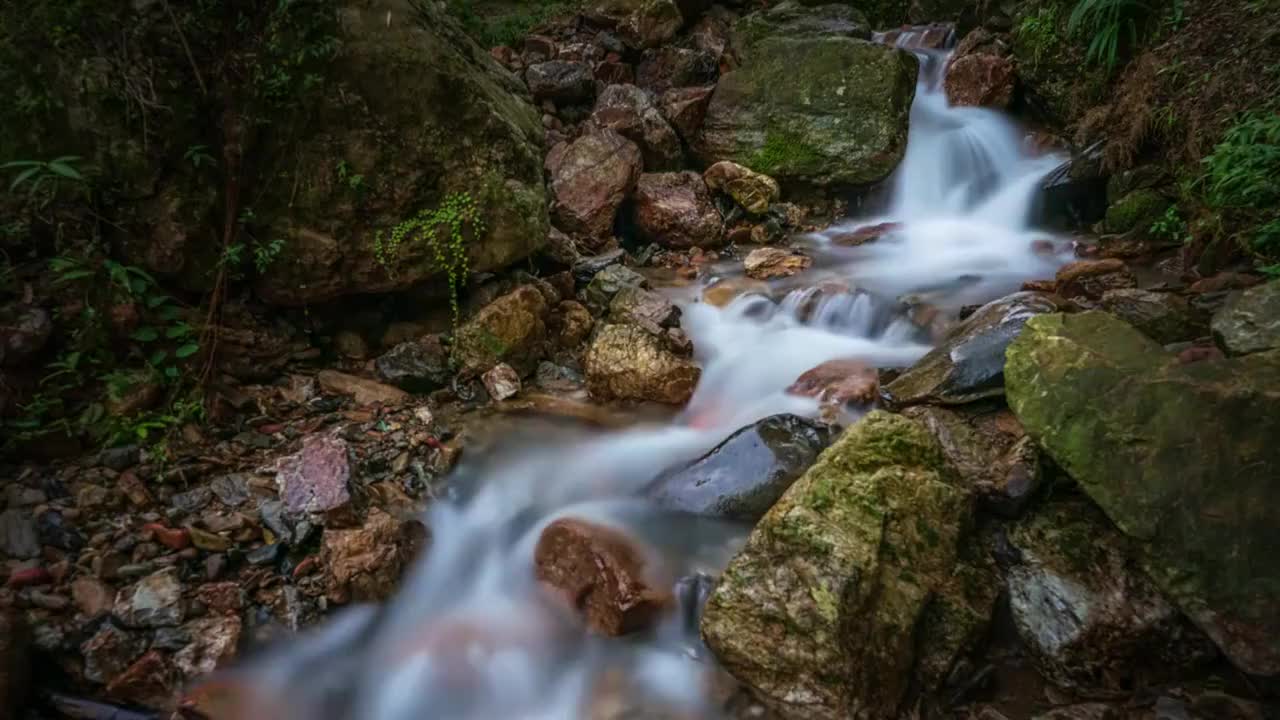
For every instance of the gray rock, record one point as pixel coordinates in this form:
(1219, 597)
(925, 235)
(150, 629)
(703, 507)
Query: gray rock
(415, 365)
(120, 458)
(154, 601)
(587, 268)
(232, 490)
(1163, 317)
(609, 282)
(1250, 321)
(746, 474)
(192, 501)
(18, 538)
(637, 306)
(633, 114)
(561, 81)
(109, 652)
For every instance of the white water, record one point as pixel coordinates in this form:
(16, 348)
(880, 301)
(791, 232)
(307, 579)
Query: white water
(472, 637)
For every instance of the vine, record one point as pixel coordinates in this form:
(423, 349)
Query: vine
(448, 249)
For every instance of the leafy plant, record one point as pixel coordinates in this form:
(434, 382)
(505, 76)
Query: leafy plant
(507, 27)
(36, 175)
(1171, 226)
(1242, 177)
(443, 232)
(354, 181)
(1109, 25)
(198, 156)
(1039, 32)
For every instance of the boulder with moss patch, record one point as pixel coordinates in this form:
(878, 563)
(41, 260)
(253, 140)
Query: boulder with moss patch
(1136, 211)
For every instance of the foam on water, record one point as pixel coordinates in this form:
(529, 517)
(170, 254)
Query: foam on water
(470, 636)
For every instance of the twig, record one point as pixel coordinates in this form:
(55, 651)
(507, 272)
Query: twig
(187, 48)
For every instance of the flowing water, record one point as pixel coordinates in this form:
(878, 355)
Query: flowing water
(471, 636)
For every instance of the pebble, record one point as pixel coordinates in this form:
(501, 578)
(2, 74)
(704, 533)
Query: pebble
(232, 490)
(266, 555)
(18, 538)
(208, 541)
(49, 601)
(192, 501)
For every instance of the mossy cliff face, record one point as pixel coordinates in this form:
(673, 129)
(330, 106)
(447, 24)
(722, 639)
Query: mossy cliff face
(812, 101)
(839, 577)
(418, 111)
(1183, 458)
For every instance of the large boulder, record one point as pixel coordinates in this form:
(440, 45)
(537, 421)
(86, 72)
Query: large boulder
(813, 100)
(590, 179)
(855, 587)
(1183, 458)
(675, 210)
(1249, 322)
(627, 362)
(511, 329)
(423, 117)
(633, 114)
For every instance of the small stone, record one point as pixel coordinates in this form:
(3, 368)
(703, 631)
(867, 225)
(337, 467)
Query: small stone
(109, 652)
(754, 191)
(221, 597)
(172, 538)
(207, 541)
(767, 263)
(135, 491)
(92, 497)
(840, 382)
(364, 391)
(91, 596)
(215, 641)
(232, 490)
(501, 382)
(602, 573)
(120, 458)
(18, 538)
(266, 555)
(192, 501)
(49, 601)
(364, 563)
(148, 682)
(155, 601)
(314, 479)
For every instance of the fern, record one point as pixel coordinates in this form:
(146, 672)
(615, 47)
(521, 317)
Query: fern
(1110, 25)
(449, 252)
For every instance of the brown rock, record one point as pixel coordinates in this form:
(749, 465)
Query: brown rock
(1089, 279)
(511, 329)
(767, 263)
(610, 72)
(675, 210)
(571, 323)
(592, 177)
(840, 382)
(149, 682)
(981, 80)
(364, 391)
(109, 652)
(134, 489)
(501, 382)
(215, 641)
(685, 108)
(631, 112)
(863, 234)
(221, 597)
(364, 563)
(752, 190)
(602, 573)
(91, 596)
(627, 362)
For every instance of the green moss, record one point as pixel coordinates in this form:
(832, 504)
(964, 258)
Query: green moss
(1136, 211)
(783, 152)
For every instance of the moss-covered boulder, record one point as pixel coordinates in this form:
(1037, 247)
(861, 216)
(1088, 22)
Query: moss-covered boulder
(855, 590)
(1182, 458)
(417, 118)
(1136, 211)
(813, 100)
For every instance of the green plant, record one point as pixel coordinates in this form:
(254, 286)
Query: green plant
(1039, 32)
(266, 253)
(198, 156)
(1171, 226)
(443, 232)
(1241, 177)
(37, 175)
(354, 181)
(1109, 25)
(505, 27)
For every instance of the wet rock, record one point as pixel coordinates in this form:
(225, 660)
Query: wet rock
(501, 382)
(570, 324)
(511, 329)
(1089, 279)
(416, 365)
(670, 66)
(22, 339)
(868, 544)
(675, 210)
(746, 474)
(590, 180)
(1163, 317)
(640, 23)
(1144, 468)
(363, 564)
(215, 641)
(811, 101)
(725, 291)
(969, 364)
(362, 390)
(649, 309)
(109, 652)
(602, 573)
(92, 597)
(561, 81)
(1085, 609)
(14, 663)
(754, 191)
(149, 682)
(769, 263)
(1250, 321)
(981, 80)
(18, 538)
(1074, 195)
(154, 601)
(609, 282)
(626, 362)
(587, 268)
(120, 458)
(632, 113)
(684, 108)
(314, 479)
(839, 383)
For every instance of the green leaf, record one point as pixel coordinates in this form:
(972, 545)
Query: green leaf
(154, 301)
(171, 372)
(65, 170)
(187, 350)
(74, 275)
(158, 357)
(146, 334)
(23, 177)
(180, 330)
(169, 312)
(137, 286)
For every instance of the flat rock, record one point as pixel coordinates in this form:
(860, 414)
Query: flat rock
(314, 479)
(769, 263)
(362, 390)
(1249, 322)
(154, 601)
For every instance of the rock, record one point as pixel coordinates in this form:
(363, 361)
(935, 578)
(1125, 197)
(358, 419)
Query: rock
(91, 596)
(362, 390)
(1216, 420)
(640, 23)
(590, 181)
(570, 324)
(839, 383)
(753, 191)
(867, 545)
(746, 474)
(267, 555)
(25, 337)
(725, 291)
(608, 283)
(811, 101)
(602, 573)
(351, 345)
(511, 329)
(14, 663)
(1085, 609)
(501, 381)
(1074, 194)
(561, 81)
(631, 112)
(969, 364)
(423, 114)
(149, 682)
(192, 501)
(587, 268)
(1082, 711)
(684, 108)
(769, 263)
(670, 66)
(141, 392)
(231, 490)
(215, 641)
(648, 309)
(1136, 211)
(109, 652)
(314, 479)
(1089, 279)
(155, 601)
(1249, 322)
(1163, 317)
(981, 80)
(18, 538)
(416, 365)
(625, 362)
(363, 564)
(674, 210)
(120, 458)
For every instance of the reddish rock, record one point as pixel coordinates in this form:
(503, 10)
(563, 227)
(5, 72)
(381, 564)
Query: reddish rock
(1089, 279)
(149, 682)
(91, 596)
(768, 263)
(507, 57)
(561, 81)
(675, 67)
(640, 24)
(28, 577)
(172, 538)
(1224, 281)
(840, 382)
(314, 479)
(134, 490)
(685, 108)
(214, 641)
(611, 72)
(221, 597)
(1042, 286)
(863, 234)
(363, 564)
(631, 112)
(675, 210)
(981, 80)
(602, 573)
(1200, 353)
(109, 652)
(590, 179)
(501, 382)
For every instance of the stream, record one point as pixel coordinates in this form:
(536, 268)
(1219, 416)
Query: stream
(472, 636)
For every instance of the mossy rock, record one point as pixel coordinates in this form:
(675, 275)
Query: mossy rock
(1136, 211)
